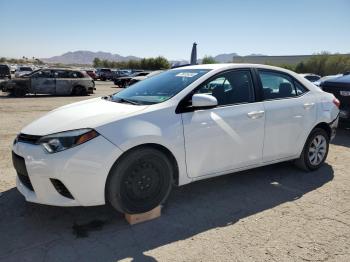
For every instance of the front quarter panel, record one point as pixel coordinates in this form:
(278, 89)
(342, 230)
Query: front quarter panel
(162, 127)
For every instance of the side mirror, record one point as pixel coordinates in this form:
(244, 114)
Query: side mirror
(204, 100)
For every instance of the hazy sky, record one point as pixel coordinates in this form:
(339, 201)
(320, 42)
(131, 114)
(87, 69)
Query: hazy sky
(160, 27)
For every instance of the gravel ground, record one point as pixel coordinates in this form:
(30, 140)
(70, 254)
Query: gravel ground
(274, 213)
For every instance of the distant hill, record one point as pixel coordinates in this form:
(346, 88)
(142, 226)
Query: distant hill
(86, 57)
(224, 58)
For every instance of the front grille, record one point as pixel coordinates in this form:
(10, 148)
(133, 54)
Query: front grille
(30, 139)
(61, 188)
(25, 181)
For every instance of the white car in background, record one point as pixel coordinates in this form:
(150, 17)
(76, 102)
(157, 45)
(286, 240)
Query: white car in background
(183, 125)
(23, 70)
(13, 68)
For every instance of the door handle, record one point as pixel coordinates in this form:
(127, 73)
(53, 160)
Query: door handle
(308, 105)
(256, 114)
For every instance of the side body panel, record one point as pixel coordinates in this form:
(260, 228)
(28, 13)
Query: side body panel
(223, 138)
(288, 123)
(43, 85)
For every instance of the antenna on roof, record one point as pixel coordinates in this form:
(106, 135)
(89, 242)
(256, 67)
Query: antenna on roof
(194, 54)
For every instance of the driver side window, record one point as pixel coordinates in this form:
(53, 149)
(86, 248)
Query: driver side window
(43, 74)
(229, 88)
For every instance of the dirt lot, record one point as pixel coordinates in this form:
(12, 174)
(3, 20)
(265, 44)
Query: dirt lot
(275, 213)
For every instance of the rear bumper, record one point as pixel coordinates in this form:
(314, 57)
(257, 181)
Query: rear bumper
(333, 125)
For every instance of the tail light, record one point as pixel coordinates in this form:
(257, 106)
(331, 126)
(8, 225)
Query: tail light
(336, 102)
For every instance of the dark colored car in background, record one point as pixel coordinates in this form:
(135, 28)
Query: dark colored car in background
(125, 80)
(104, 74)
(340, 88)
(5, 72)
(92, 74)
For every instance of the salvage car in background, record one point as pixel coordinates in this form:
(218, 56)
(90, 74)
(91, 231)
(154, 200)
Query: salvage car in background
(5, 72)
(50, 81)
(183, 125)
(23, 70)
(340, 88)
(123, 81)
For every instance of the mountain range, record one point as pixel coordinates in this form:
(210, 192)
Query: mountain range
(87, 57)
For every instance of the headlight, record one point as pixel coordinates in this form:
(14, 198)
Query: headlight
(68, 139)
(345, 93)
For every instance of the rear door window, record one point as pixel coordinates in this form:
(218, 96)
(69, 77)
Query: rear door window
(276, 85)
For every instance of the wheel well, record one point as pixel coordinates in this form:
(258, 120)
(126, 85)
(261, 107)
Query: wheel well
(77, 86)
(161, 148)
(325, 127)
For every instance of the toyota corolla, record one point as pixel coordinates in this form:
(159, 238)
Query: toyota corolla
(183, 125)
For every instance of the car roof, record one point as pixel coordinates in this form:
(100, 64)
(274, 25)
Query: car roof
(229, 66)
(217, 68)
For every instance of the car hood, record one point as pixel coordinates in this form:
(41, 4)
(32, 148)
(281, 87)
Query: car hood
(86, 114)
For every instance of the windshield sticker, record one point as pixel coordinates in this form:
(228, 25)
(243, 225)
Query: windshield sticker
(186, 74)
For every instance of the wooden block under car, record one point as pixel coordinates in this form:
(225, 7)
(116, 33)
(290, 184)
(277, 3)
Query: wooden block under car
(138, 218)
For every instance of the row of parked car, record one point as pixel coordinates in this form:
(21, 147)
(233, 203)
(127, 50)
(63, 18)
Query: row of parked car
(58, 81)
(121, 78)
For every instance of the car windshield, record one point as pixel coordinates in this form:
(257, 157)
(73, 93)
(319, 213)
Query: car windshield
(159, 88)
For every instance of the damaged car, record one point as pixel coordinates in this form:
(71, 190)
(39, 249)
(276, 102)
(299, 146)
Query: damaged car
(50, 81)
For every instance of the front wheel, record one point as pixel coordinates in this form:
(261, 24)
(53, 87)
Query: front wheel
(315, 150)
(140, 181)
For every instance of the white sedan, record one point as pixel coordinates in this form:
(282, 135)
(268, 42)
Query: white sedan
(183, 125)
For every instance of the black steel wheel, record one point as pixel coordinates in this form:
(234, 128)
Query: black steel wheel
(140, 181)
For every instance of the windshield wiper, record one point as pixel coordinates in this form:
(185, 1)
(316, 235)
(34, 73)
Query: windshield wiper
(124, 100)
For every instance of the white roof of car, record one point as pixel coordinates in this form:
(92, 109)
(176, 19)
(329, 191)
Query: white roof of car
(230, 65)
(220, 67)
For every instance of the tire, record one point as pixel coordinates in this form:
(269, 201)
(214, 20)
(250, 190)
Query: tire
(315, 150)
(140, 181)
(79, 91)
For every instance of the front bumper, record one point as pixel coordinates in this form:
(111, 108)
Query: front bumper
(83, 171)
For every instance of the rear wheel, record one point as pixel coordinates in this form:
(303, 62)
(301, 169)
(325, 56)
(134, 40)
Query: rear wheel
(79, 91)
(140, 181)
(315, 150)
